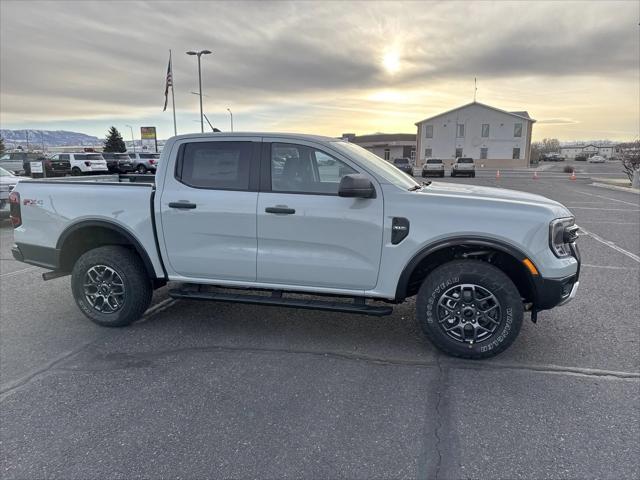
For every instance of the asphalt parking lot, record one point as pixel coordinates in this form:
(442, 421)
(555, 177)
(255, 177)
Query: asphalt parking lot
(198, 390)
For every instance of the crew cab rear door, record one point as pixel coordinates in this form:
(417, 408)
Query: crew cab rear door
(307, 234)
(208, 209)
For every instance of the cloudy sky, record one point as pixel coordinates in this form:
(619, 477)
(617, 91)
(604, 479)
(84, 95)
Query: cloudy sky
(320, 67)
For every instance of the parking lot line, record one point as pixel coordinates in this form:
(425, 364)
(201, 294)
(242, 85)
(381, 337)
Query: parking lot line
(610, 244)
(607, 209)
(610, 267)
(24, 270)
(608, 198)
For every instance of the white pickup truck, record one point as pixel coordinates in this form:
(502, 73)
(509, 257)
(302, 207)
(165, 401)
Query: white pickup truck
(268, 219)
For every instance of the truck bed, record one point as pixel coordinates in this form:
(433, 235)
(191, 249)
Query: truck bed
(51, 208)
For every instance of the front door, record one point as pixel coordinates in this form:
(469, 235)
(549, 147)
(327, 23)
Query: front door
(208, 209)
(307, 234)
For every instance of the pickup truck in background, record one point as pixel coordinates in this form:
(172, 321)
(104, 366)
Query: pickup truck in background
(268, 219)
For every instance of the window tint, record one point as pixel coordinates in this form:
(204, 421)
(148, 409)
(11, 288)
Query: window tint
(79, 156)
(302, 169)
(517, 130)
(434, 160)
(63, 156)
(465, 160)
(215, 165)
(149, 155)
(401, 161)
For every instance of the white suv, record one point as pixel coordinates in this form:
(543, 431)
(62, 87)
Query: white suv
(83, 163)
(144, 162)
(463, 166)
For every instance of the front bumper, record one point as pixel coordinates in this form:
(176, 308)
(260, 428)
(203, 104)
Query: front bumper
(553, 292)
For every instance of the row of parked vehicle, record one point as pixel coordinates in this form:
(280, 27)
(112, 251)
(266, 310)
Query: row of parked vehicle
(435, 167)
(80, 163)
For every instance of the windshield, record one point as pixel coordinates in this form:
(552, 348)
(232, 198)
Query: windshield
(434, 160)
(377, 165)
(5, 173)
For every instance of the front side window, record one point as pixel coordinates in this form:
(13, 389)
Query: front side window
(516, 153)
(485, 130)
(215, 165)
(428, 129)
(460, 130)
(517, 130)
(483, 153)
(302, 169)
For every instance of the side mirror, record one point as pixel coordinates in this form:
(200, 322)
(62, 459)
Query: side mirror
(356, 185)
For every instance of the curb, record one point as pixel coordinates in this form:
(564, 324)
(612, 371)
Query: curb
(616, 187)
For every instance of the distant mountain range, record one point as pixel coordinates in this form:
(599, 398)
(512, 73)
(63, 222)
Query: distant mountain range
(51, 138)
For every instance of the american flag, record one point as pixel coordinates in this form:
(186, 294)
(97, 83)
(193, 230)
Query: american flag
(168, 83)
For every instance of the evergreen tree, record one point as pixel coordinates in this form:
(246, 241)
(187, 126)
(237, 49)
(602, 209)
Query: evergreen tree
(1, 145)
(114, 141)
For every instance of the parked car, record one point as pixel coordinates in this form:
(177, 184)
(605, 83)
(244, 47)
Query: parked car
(404, 164)
(580, 158)
(58, 165)
(15, 161)
(8, 182)
(596, 159)
(223, 217)
(552, 157)
(463, 166)
(118, 162)
(433, 166)
(145, 162)
(86, 163)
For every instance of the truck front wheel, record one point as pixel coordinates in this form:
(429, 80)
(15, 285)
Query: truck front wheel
(111, 286)
(469, 309)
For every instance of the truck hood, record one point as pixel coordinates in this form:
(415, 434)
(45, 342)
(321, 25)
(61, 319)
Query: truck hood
(497, 194)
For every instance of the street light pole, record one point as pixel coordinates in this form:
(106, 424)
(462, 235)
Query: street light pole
(231, 113)
(199, 54)
(133, 140)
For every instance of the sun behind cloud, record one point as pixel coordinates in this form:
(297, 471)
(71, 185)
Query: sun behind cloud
(391, 62)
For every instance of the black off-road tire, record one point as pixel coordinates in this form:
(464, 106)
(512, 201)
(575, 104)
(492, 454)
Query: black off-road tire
(141, 169)
(138, 289)
(487, 277)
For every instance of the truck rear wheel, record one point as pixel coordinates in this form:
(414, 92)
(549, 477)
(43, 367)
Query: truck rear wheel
(469, 309)
(111, 286)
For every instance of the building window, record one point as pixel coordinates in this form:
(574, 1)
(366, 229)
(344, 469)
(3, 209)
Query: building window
(413, 156)
(516, 153)
(458, 152)
(483, 153)
(460, 130)
(386, 154)
(485, 130)
(517, 130)
(428, 129)
(428, 152)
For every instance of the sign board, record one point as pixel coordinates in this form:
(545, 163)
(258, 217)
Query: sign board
(148, 139)
(36, 167)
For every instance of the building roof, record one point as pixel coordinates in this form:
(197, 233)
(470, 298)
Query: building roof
(520, 114)
(384, 137)
(587, 145)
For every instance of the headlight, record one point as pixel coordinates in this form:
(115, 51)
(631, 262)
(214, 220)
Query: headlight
(562, 232)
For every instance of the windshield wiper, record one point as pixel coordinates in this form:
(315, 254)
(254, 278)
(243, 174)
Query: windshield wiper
(415, 187)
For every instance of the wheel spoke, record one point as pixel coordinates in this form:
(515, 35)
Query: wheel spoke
(104, 289)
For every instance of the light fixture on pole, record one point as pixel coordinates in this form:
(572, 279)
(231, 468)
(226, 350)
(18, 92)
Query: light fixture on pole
(133, 140)
(231, 113)
(199, 54)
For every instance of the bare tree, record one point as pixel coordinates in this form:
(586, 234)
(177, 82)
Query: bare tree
(630, 156)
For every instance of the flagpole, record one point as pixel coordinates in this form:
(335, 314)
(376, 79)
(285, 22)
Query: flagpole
(173, 99)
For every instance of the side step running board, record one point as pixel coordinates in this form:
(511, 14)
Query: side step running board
(277, 300)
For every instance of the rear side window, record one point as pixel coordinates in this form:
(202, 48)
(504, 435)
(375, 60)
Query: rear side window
(215, 165)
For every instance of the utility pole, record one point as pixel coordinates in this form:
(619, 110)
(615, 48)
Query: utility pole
(27, 132)
(133, 140)
(199, 54)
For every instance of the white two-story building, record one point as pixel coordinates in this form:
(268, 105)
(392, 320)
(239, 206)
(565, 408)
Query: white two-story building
(492, 137)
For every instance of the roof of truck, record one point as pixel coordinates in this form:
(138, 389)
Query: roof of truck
(300, 136)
